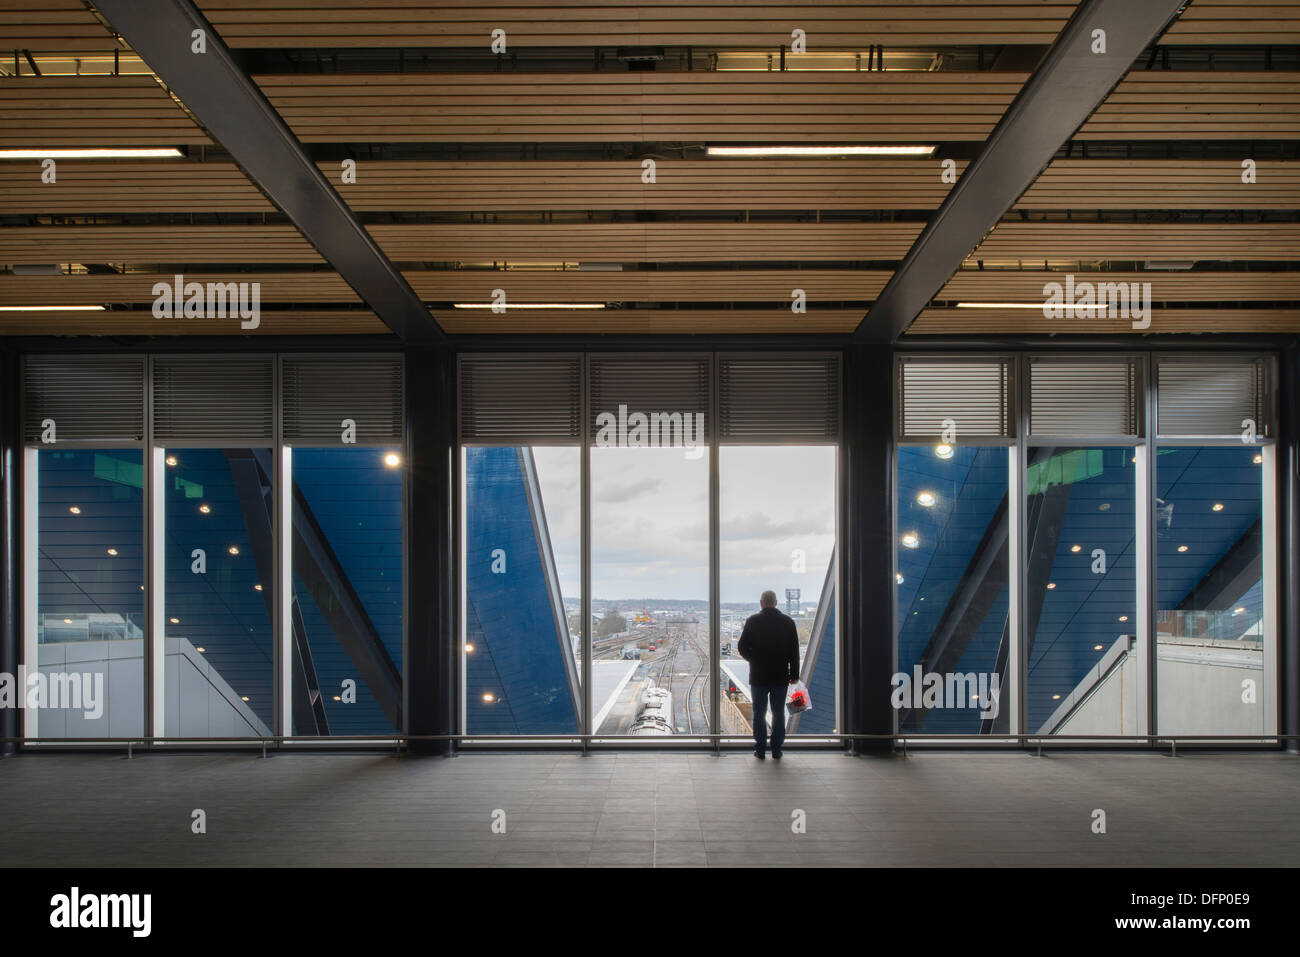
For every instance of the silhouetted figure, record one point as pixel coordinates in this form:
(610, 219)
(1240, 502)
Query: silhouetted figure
(770, 643)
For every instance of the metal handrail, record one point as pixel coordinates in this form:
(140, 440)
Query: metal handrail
(400, 741)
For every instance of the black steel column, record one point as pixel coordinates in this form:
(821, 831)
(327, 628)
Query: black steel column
(11, 511)
(432, 645)
(1288, 493)
(867, 533)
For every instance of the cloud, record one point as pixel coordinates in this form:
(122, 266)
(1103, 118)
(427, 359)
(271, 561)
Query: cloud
(759, 526)
(618, 492)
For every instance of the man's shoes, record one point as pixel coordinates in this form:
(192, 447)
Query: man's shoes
(761, 756)
(776, 755)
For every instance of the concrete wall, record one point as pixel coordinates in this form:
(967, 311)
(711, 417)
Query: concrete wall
(199, 701)
(1199, 686)
(122, 665)
(1198, 691)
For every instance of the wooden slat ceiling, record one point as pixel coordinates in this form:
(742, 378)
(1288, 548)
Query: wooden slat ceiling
(647, 242)
(1268, 242)
(68, 26)
(695, 285)
(1184, 105)
(1005, 285)
(52, 25)
(141, 322)
(103, 289)
(650, 242)
(364, 322)
(535, 105)
(641, 107)
(740, 320)
(679, 184)
(770, 107)
(77, 111)
(476, 285)
(154, 244)
(703, 285)
(1028, 321)
(123, 186)
(701, 242)
(515, 186)
(1163, 184)
(1237, 21)
(765, 24)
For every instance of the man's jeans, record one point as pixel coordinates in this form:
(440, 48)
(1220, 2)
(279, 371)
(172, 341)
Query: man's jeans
(762, 695)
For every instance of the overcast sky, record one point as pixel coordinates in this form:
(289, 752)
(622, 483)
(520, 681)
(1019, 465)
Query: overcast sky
(650, 535)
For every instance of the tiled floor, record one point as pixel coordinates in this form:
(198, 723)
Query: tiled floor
(652, 809)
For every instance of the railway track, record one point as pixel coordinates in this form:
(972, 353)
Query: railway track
(700, 681)
(662, 672)
(662, 675)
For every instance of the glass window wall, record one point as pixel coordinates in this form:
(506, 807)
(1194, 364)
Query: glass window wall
(347, 591)
(89, 615)
(1210, 591)
(952, 580)
(1081, 592)
(522, 649)
(219, 564)
(777, 528)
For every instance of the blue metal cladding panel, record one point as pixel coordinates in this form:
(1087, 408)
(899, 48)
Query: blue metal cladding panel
(1085, 608)
(480, 674)
(76, 572)
(969, 487)
(220, 610)
(821, 719)
(1189, 482)
(511, 614)
(357, 501)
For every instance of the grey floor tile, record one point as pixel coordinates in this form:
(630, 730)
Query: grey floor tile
(651, 809)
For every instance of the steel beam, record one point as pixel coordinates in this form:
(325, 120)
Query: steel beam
(1288, 513)
(316, 563)
(971, 601)
(253, 483)
(433, 666)
(1240, 567)
(233, 109)
(1069, 84)
(11, 523)
(308, 703)
(866, 624)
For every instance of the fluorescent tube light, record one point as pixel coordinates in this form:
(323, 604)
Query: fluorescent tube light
(766, 151)
(166, 152)
(999, 305)
(507, 306)
(51, 308)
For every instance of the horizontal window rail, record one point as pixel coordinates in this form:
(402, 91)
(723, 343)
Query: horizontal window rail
(611, 742)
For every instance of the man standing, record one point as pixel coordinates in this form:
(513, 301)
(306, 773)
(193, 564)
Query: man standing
(770, 643)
